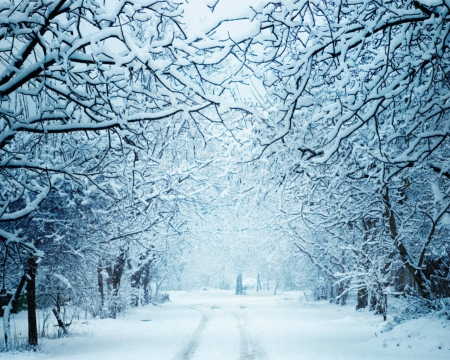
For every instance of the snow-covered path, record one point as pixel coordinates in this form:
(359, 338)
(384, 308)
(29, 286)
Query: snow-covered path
(222, 331)
(213, 325)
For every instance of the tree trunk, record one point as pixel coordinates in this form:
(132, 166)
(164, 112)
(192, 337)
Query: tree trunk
(100, 285)
(12, 307)
(373, 301)
(145, 283)
(135, 280)
(239, 289)
(7, 325)
(31, 302)
(61, 324)
(114, 277)
(362, 298)
(378, 302)
(341, 293)
(140, 279)
(258, 284)
(416, 274)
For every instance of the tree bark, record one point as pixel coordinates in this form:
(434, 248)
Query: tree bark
(239, 289)
(378, 302)
(114, 277)
(341, 293)
(415, 273)
(31, 301)
(141, 278)
(145, 283)
(61, 324)
(362, 298)
(100, 285)
(12, 307)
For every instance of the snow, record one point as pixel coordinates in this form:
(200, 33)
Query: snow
(446, 220)
(431, 2)
(438, 195)
(217, 324)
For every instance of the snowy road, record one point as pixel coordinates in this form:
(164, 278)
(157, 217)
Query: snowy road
(216, 325)
(222, 331)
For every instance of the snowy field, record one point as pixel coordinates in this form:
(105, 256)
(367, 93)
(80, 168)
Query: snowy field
(220, 325)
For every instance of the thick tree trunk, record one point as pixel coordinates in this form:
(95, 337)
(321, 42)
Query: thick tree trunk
(362, 298)
(31, 302)
(341, 293)
(114, 277)
(373, 301)
(378, 302)
(140, 279)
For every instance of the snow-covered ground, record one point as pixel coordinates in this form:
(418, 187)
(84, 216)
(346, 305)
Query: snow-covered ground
(220, 325)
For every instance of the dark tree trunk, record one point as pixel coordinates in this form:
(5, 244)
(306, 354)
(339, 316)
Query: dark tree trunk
(15, 299)
(373, 301)
(145, 283)
(341, 293)
(114, 277)
(239, 289)
(31, 301)
(135, 280)
(362, 298)
(381, 308)
(100, 285)
(61, 324)
(415, 272)
(140, 279)
(378, 302)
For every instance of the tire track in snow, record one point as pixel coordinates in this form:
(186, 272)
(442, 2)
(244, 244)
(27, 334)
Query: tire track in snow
(250, 346)
(190, 349)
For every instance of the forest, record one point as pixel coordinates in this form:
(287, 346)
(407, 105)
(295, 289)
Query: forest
(149, 146)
